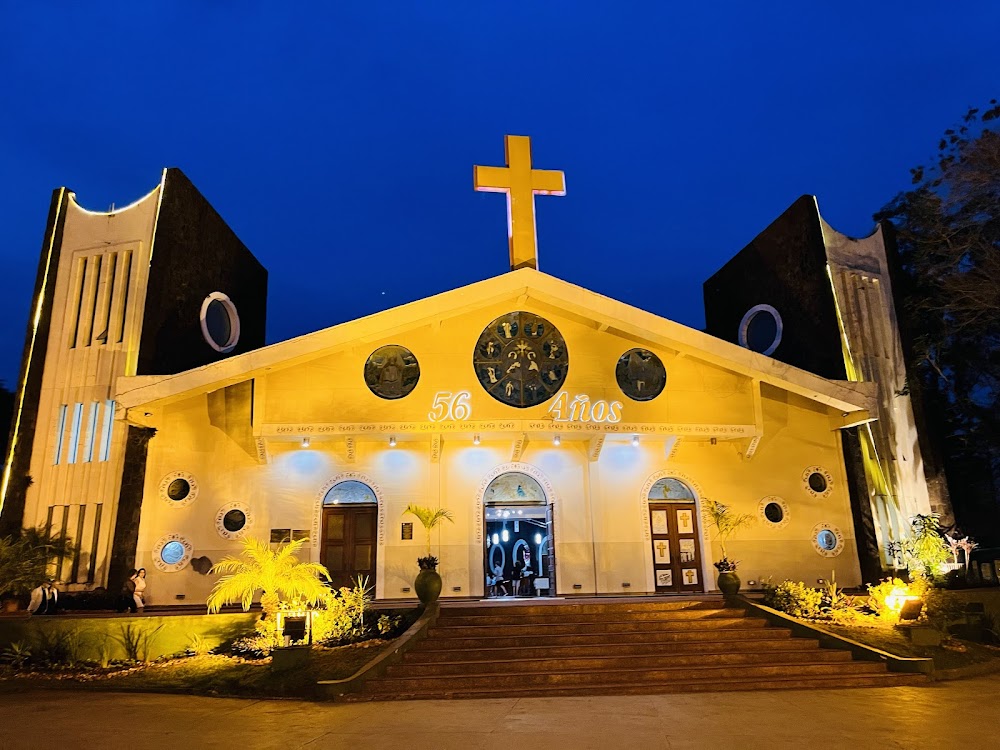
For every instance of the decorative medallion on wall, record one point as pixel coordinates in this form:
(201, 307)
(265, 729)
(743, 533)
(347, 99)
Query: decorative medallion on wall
(640, 374)
(233, 520)
(171, 553)
(827, 540)
(761, 329)
(178, 488)
(521, 359)
(774, 510)
(392, 371)
(817, 481)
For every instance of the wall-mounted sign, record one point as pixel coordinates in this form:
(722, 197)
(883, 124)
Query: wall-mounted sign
(581, 409)
(407, 532)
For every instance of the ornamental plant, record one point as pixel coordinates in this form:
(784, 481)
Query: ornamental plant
(26, 559)
(429, 519)
(794, 598)
(925, 550)
(721, 517)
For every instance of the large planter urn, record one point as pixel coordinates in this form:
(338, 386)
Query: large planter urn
(428, 581)
(729, 583)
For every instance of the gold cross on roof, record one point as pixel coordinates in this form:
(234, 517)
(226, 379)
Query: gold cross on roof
(522, 184)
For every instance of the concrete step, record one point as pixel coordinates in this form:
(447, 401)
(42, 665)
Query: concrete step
(573, 627)
(429, 652)
(501, 678)
(487, 639)
(603, 663)
(649, 688)
(508, 617)
(561, 606)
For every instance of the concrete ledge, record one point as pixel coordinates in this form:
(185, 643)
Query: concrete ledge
(908, 664)
(385, 659)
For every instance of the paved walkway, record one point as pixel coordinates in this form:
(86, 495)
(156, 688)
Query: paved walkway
(948, 715)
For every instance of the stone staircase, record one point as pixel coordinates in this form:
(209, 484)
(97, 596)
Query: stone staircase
(615, 648)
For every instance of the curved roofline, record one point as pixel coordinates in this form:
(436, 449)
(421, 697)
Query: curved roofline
(72, 197)
(875, 230)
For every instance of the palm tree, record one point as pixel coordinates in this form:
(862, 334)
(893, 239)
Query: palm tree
(278, 573)
(429, 518)
(726, 522)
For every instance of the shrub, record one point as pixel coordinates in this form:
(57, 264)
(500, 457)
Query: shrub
(796, 599)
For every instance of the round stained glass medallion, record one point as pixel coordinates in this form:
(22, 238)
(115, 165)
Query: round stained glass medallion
(392, 371)
(234, 520)
(171, 553)
(178, 489)
(828, 540)
(640, 375)
(521, 359)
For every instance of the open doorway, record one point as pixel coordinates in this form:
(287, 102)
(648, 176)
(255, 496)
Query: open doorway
(520, 548)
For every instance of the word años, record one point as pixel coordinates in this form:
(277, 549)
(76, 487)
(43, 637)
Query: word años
(582, 409)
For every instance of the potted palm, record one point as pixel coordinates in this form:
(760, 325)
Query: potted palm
(280, 578)
(428, 581)
(726, 523)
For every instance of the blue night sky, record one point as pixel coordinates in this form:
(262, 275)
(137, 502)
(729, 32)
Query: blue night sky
(338, 142)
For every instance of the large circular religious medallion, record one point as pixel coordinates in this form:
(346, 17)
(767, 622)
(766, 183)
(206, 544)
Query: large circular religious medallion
(521, 359)
(392, 371)
(640, 375)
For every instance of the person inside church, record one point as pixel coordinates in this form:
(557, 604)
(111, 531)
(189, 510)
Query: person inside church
(44, 599)
(523, 575)
(496, 582)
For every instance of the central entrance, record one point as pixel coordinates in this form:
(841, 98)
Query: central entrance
(520, 549)
(349, 543)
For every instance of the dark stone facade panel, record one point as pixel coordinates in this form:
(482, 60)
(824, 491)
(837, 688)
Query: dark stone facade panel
(861, 507)
(126, 534)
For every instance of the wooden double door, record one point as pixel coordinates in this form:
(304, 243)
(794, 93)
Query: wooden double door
(349, 544)
(676, 548)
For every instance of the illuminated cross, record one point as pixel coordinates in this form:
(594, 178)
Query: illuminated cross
(522, 184)
(662, 549)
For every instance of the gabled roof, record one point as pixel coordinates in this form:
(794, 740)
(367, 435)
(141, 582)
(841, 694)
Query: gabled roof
(603, 313)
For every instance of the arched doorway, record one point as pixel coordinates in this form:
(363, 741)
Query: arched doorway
(676, 541)
(519, 549)
(348, 545)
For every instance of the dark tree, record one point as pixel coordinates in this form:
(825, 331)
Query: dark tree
(6, 414)
(947, 229)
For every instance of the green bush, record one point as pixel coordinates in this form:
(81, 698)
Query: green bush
(796, 599)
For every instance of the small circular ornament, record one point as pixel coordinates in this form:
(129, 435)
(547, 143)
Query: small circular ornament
(640, 374)
(392, 371)
(827, 540)
(233, 520)
(178, 489)
(172, 552)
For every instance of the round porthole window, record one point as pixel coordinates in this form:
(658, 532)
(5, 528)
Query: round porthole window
(774, 510)
(178, 488)
(233, 520)
(220, 323)
(817, 481)
(760, 330)
(827, 540)
(172, 553)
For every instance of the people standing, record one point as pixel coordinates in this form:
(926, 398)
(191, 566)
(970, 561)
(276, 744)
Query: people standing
(127, 598)
(140, 589)
(44, 599)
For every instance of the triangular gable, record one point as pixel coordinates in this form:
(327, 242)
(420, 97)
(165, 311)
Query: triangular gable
(525, 284)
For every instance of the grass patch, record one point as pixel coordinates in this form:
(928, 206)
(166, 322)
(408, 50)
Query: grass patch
(951, 654)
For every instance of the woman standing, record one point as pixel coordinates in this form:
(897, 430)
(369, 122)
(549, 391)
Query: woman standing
(140, 589)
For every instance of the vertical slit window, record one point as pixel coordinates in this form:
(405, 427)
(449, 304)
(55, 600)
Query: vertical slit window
(74, 570)
(94, 301)
(103, 325)
(109, 422)
(60, 433)
(74, 433)
(81, 277)
(127, 263)
(91, 438)
(92, 570)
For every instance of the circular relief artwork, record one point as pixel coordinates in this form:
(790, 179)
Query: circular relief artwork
(178, 488)
(817, 481)
(172, 553)
(640, 375)
(220, 323)
(233, 520)
(392, 371)
(761, 329)
(827, 540)
(521, 359)
(774, 510)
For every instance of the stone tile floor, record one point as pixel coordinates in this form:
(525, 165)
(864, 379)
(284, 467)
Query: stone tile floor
(946, 715)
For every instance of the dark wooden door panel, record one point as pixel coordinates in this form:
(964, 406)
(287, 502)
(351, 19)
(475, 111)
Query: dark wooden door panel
(349, 544)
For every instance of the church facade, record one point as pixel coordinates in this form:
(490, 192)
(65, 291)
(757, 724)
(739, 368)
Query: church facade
(566, 432)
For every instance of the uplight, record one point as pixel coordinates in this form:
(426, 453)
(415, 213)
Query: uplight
(392, 441)
(305, 442)
(475, 439)
(635, 441)
(556, 440)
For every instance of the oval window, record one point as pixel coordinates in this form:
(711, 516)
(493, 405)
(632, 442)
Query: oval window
(234, 520)
(826, 540)
(774, 513)
(220, 323)
(178, 489)
(172, 553)
(817, 482)
(760, 330)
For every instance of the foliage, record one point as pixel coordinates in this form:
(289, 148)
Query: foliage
(136, 638)
(389, 624)
(277, 573)
(725, 522)
(427, 563)
(879, 592)
(429, 519)
(925, 550)
(198, 646)
(947, 231)
(25, 559)
(725, 565)
(795, 599)
(965, 545)
(16, 654)
(341, 619)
